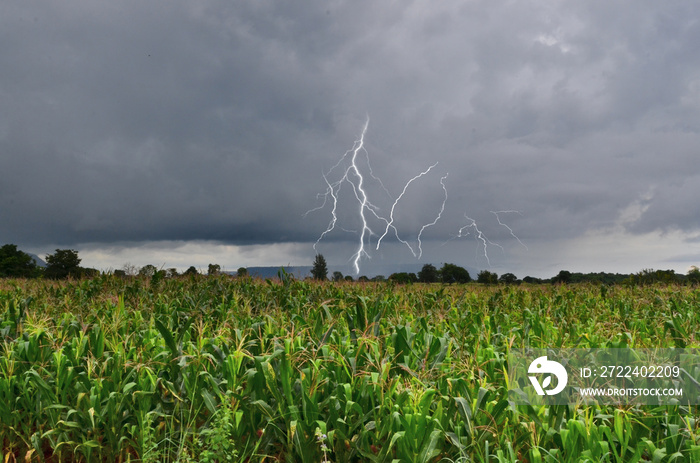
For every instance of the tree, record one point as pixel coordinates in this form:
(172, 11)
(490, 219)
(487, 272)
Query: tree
(650, 276)
(319, 271)
(148, 270)
(214, 269)
(62, 264)
(428, 274)
(487, 278)
(451, 273)
(191, 271)
(337, 276)
(242, 272)
(564, 276)
(157, 277)
(403, 278)
(15, 263)
(130, 269)
(694, 275)
(508, 278)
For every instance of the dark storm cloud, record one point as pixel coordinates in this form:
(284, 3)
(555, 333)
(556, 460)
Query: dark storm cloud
(215, 120)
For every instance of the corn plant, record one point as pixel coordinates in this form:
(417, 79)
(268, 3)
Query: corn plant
(221, 369)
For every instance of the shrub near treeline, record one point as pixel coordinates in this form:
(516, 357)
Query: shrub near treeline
(238, 369)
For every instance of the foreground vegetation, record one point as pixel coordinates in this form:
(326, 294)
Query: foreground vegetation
(222, 369)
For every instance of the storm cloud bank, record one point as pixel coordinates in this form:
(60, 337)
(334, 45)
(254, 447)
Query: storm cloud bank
(214, 121)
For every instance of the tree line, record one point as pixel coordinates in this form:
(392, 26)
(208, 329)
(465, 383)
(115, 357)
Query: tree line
(448, 273)
(451, 273)
(64, 263)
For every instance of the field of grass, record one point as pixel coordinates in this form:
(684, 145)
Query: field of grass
(216, 369)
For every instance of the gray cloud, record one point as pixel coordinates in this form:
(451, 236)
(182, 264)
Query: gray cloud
(215, 121)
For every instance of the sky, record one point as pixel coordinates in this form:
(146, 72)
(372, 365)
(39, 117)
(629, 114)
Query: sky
(179, 133)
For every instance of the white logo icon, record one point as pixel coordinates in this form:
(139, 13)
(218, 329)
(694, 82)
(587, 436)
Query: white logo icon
(542, 365)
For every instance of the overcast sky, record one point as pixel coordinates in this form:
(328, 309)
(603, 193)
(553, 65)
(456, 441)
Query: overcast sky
(182, 133)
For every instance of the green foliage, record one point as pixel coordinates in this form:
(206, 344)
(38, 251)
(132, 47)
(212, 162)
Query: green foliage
(508, 278)
(16, 264)
(213, 269)
(148, 270)
(62, 264)
(487, 278)
(451, 273)
(563, 277)
(650, 276)
(694, 275)
(221, 369)
(599, 277)
(403, 277)
(428, 274)
(319, 271)
(217, 442)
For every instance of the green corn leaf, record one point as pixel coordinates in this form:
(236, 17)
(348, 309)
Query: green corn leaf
(431, 449)
(167, 337)
(209, 400)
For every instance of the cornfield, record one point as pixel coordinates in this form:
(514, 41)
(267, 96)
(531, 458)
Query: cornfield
(217, 369)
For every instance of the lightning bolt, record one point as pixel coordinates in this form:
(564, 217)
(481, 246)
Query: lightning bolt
(334, 217)
(390, 222)
(509, 229)
(364, 202)
(480, 236)
(442, 209)
(353, 175)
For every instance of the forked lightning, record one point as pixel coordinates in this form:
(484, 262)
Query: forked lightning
(354, 177)
(479, 235)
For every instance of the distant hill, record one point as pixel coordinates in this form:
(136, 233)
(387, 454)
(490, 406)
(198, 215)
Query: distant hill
(37, 260)
(368, 270)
